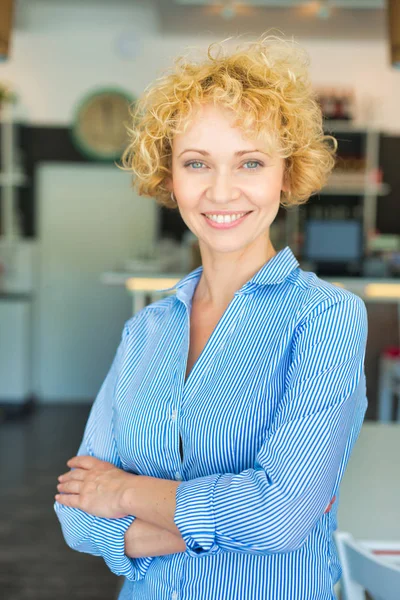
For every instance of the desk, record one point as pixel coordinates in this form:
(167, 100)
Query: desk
(370, 490)
(139, 286)
(143, 288)
(381, 295)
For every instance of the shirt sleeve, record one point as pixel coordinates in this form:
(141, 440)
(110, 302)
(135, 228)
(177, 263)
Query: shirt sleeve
(274, 506)
(88, 533)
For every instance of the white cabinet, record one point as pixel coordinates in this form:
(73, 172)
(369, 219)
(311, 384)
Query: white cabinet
(15, 348)
(16, 280)
(89, 221)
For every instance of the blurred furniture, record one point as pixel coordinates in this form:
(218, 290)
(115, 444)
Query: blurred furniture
(368, 504)
(356, 176)
(11, 175)
(15, 352)
(145, 290)
(16, 327)
(89, 220)
(368, 566)
(386, 369)
(322, 251)
(383, 321)
(16, 256)
(389, 384)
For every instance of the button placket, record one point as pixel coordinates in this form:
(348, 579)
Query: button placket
(174, 418)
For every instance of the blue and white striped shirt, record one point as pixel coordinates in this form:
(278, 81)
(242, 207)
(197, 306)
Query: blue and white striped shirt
(268, 418)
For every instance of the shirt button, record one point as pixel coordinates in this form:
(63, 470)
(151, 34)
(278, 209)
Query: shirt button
(174, 595)
(178, 476)
(173, 414)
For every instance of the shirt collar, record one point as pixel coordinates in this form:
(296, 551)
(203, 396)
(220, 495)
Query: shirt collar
(275, 270)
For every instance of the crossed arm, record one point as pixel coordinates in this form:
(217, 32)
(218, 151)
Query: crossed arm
(153, 532)
(145, 539)
(321, 414)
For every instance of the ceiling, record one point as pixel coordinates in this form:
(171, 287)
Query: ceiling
(311, 19)
(347, 4)
(316, 19)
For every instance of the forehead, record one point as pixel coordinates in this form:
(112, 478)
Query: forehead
(211, 128)
(210, 111)
(209, 122)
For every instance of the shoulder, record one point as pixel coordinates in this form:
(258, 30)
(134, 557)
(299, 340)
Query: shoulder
(314, 295)
(150, 314)
(305, 301)
(324, 309)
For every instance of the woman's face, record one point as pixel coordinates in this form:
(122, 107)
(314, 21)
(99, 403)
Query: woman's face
(216, 170)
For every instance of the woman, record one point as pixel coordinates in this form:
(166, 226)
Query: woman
(213, 453)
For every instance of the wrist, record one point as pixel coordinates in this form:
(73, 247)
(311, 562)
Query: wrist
(127, 496)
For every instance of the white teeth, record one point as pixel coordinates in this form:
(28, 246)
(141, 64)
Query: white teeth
(224, 218)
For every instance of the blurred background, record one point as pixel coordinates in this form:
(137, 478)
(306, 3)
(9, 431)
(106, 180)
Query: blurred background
(80, 252)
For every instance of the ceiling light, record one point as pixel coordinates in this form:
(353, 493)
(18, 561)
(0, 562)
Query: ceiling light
(228, 11)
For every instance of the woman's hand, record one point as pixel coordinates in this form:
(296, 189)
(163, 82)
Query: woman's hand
(143, 539)
(94, 486)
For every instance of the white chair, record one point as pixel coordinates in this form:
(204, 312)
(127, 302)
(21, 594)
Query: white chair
(389, 384)
(365, 569)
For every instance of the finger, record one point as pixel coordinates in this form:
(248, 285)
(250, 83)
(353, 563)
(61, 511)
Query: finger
(84, 462)
(70, 487)
(68, 500)
(78, 474)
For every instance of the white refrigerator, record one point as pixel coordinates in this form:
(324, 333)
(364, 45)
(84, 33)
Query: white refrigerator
(90, 220)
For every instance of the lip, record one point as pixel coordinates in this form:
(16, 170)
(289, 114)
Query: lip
(226, 225)
(225, 212)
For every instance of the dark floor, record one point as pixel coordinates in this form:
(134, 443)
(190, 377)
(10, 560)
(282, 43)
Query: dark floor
(35, 562)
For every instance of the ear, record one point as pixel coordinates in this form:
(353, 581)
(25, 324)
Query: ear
(285, 183)
(168, 184)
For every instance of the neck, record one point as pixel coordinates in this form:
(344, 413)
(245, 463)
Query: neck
(224, 274)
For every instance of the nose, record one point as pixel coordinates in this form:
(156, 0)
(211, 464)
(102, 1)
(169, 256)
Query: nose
(222, 189)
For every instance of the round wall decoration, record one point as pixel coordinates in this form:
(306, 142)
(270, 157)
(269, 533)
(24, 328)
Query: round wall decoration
(99, 124)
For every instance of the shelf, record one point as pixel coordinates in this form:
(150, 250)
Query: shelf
(378, 190)
(11, 174)
(13, 179)
(346, 127)
(6, 118)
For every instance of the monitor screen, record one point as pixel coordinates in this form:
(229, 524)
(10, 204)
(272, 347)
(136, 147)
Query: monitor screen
(333, 240)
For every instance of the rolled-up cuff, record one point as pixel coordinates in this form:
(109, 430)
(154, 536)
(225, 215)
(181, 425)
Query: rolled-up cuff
(194, 515)
(108, 535)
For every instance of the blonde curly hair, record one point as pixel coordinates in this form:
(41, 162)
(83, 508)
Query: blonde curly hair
(266, 83)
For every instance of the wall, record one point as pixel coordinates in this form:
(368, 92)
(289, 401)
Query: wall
(61, 49)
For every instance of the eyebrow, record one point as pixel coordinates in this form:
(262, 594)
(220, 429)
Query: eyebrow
(205, 153)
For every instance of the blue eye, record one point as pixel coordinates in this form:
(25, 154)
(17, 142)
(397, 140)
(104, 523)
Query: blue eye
(255, 162)
(199, 162)
(194, 162)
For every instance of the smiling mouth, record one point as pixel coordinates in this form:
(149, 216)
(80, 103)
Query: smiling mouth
(239, 212)
(220, 222)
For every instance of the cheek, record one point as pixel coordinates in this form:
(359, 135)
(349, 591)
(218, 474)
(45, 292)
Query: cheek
(185, 190)
(189, 212)
(188, 199)
(268, 200)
